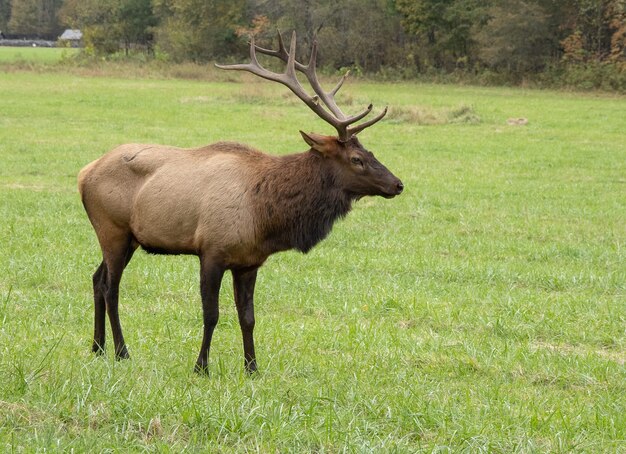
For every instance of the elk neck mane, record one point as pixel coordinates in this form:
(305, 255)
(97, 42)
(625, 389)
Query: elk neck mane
(299, 197)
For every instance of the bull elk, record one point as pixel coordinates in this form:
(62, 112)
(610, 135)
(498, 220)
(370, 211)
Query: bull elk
(227, 203)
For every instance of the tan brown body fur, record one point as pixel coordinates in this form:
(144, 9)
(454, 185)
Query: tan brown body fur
(131, 191)
(226, 200)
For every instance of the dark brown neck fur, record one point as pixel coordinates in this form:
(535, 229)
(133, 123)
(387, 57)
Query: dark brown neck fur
(299, 199)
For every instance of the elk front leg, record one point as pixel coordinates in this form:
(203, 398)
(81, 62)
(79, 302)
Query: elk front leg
(243, 282)
(210, 282)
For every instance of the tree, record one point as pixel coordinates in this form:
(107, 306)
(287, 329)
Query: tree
(198, 30)
(108, 23)
(516, 37)
(616, 15)
(596, 31)
(135, 23)
(443, 28)
(361, 33)
(5, 14)
(508, 36)
(50, 18)
(25, 17)
(35, 17)
(98, 21)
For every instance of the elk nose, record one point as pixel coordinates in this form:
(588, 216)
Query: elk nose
(399, 187)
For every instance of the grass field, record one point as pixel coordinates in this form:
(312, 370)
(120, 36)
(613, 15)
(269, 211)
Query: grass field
(35, 54)
(482, 310)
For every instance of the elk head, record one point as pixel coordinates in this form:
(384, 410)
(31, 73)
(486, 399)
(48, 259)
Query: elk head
(361, 173)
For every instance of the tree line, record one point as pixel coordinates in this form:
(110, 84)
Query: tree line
(401, 37)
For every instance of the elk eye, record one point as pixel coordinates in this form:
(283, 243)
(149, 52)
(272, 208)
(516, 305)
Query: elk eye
(356, 161)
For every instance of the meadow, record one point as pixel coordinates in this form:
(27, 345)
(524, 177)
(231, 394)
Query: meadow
(483, 310)
(39, 55)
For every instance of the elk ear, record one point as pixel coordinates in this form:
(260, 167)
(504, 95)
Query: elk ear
(322, 144)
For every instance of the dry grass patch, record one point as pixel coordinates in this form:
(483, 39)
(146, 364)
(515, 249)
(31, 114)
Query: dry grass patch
(618, 357)
(429, 116)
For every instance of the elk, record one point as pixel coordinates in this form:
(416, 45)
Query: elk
(227, 203)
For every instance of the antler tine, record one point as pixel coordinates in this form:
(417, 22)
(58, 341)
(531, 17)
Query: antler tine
(357, 117)
(358, 128)
(253, 58)
(334, 91)
(281, 53)
(311, 75)
(291, 61)
(253, 67)
(313, 56)
(281, 42)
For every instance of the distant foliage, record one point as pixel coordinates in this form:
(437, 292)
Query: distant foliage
(198, 30)
(109, 25)
(518, 42)
(5, 14)
(37, 18)
(444, 30)
(494, 41)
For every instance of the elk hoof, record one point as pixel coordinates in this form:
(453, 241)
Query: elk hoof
(122, 353)
(201, 369)
(97, 349)
(251, 367)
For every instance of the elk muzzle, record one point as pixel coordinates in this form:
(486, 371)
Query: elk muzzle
(393, 189)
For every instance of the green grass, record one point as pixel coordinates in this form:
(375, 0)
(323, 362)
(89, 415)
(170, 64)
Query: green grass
(482, 310)
(42, 55)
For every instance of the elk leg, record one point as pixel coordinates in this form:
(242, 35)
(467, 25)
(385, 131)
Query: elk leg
(243, 282)
(116, 260)
(99, 287)
(210, 282)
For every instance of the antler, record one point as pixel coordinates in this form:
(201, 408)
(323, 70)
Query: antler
(332, 114)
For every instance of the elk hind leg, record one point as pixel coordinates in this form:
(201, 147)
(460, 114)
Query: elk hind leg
(99, 288)
(116, 257)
